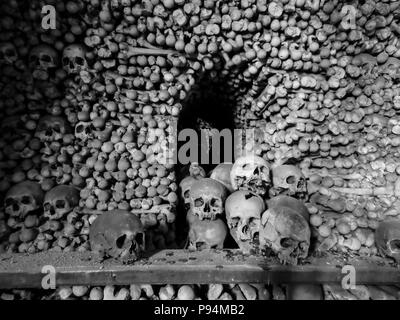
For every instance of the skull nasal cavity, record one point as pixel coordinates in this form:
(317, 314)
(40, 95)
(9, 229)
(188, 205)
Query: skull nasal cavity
(120, 241)
(290, 179)
(395, 245)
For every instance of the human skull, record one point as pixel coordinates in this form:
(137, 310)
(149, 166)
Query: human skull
(292, 203)
(52, 128)
(23, 198)
(60, 201)
(387, 238)
(74, 59)
(8, 53)
(207, 198)
(207, 234)
(243, 213)
(117, 234)
(222, 173)
(43, 60)
(83, 131)
(184, 187)
(376, 124)
(251, 173)
(391, 67)
(286, 233)
(288, 180)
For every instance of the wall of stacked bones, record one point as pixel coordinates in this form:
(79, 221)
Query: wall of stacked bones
(87, 110)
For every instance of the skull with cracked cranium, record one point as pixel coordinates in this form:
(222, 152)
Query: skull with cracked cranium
(43, 61)
(252, 173)
(60, 201)
(117, 234)
(243, 214)
(207, 198)
(184, 187)
(23, 198)
(207, 234)
(52, 128)
(74, 59)
(286, 232)
(288, 180)
(387, 238)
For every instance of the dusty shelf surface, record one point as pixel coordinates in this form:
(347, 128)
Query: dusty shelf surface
(185, 267)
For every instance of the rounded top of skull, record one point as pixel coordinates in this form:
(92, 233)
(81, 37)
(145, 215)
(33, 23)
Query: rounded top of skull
(207, 187)
(74, 50)
(222, 173)
(290, 202)
(24, 188)
(186, 184)
(69, 193)
(244, 202)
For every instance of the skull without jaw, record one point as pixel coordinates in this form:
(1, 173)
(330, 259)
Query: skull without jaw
(84, 131)
(243, 214)
(286, 233)
(8, 53)
(60, 201)
(387, 238)
(288, 180)
(23, 198)
(43, 60)
(207, 198)
(74, 59)
(118, 234)
(52, 128)
(251, 173)
(207, 234)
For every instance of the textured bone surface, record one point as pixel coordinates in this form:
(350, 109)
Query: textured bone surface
(387, 238)
(252, 173)
(117, 234)
(23, 198)
(60, 201)
(243, 214)
(286, 233)
(207, 234)
(207, 198)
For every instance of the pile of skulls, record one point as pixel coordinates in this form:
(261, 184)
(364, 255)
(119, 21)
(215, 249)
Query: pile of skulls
(261, 213)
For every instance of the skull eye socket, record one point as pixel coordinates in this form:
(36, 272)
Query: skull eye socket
(57, 128)
(198, 202)
(120, 241)
(65, 61)
(9, 202)
(79, 129)
(60, 204)
(234, 222)
(10, 52)
(215, 202)
(26, 200)
(79, 61)
(186, 194)
(395, 245)
(290, 179)
(46, 58)
(286, 242)
(47, 206)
